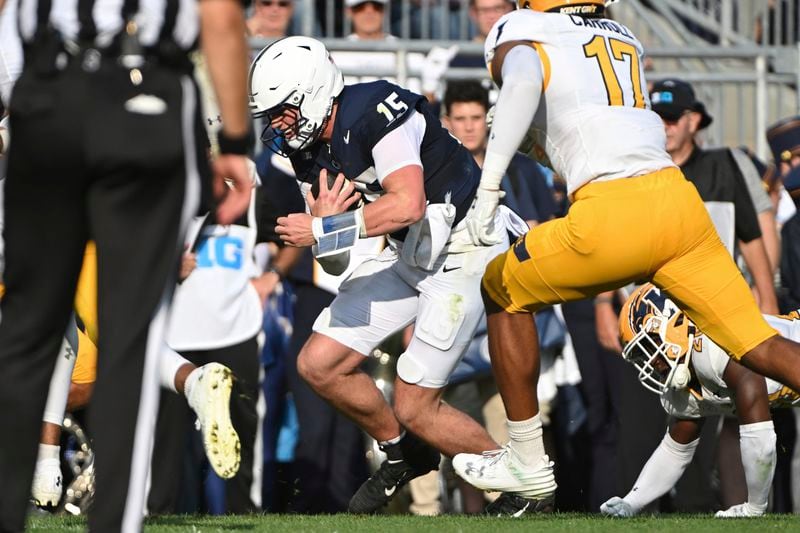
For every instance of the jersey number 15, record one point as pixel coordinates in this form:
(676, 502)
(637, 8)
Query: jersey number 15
(598, 49)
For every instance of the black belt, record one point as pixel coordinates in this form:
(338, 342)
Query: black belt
(49, 53)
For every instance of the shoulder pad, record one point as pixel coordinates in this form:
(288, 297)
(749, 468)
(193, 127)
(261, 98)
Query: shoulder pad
(376, 109)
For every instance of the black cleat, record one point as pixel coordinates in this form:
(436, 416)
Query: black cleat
(418, 459)
(513, 505)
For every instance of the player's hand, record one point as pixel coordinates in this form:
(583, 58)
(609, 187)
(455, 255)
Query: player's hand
(295, 230)
(618, 507)
(739, 511)
(233, 183)
(334, 200)
(606, 323)
(480, 219)
(188, 264)
(436, 64)
(265, 285)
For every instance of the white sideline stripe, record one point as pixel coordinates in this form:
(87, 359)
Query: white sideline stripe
(148, 400)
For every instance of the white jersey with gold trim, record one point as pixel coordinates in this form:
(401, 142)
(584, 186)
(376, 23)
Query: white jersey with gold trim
(714, 397)
(594, 120)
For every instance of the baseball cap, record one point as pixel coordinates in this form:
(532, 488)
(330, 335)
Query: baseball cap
(784, 138)
(353, 3)
(671, 98)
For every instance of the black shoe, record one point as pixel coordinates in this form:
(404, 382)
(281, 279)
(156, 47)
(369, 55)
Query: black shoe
(513, 505)
(374, 493)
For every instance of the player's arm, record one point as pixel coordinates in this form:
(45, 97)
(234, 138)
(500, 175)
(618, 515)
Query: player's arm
(222, 32)
(4, 137)
(755, 257)
(399, 170)
(664, 468)
(403, 203)
(517, 69)
(751, 243)
(756, 437)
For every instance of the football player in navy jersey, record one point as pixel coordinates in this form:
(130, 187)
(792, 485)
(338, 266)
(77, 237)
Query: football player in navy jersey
(418, 184)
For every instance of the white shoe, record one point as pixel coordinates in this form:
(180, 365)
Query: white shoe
(210, 400)
(740, 511)
(499, 470)
(47, 483)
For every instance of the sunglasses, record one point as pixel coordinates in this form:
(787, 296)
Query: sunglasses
(279, 3)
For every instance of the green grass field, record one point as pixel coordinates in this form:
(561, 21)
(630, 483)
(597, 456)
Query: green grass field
(568, 523)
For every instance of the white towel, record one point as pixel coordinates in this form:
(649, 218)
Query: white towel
(427, 238)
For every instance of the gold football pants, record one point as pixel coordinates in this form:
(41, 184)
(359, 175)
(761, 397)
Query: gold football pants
(652, 227)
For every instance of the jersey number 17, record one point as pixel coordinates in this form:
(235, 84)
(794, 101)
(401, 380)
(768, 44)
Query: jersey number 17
(598, 48)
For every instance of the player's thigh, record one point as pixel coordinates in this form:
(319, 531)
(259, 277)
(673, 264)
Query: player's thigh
(616, 232)
(373, 303)
(86, 292)
(85, 370)
(450, 309)
(593, 249)
(705, 282)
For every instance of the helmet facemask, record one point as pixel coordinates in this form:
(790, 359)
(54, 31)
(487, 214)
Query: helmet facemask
(657, 339)
(657, 359)
(297, 134)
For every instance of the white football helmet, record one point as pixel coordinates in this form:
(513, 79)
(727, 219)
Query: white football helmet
(294, 73)
(657, 338)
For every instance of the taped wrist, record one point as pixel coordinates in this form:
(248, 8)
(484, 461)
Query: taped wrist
(494, 169)
(337, 233)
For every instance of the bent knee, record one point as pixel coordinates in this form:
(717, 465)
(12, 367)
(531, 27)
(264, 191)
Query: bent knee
(416, 406)
(413, 416)
(310, 367)
(323, 360)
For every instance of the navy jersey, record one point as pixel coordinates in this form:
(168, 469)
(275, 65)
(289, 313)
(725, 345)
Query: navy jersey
(369, 111)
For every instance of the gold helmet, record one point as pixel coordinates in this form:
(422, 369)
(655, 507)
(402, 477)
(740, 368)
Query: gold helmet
(657, 339)
(570, 7)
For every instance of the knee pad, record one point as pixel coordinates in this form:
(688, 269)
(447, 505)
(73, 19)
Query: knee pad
(409, 370)
(440, 321)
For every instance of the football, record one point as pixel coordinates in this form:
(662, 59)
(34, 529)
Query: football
(331, 180)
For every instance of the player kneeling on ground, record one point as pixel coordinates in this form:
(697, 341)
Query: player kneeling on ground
(696, 379)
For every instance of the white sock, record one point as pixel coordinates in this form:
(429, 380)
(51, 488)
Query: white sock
(189, 384)
(168, 365)
(526, 439)
(757, 443)
(49, 451)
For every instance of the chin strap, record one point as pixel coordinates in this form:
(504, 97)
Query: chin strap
(682, 375)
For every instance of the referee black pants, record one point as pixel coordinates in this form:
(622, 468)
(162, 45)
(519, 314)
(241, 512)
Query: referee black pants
(93, 156)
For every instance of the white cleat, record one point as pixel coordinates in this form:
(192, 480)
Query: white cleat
(743, 510)
(500, 471)
(210, 400)
(47, 483)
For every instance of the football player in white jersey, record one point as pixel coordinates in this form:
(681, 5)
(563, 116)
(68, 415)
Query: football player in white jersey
(695, 379)
(573, 95)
